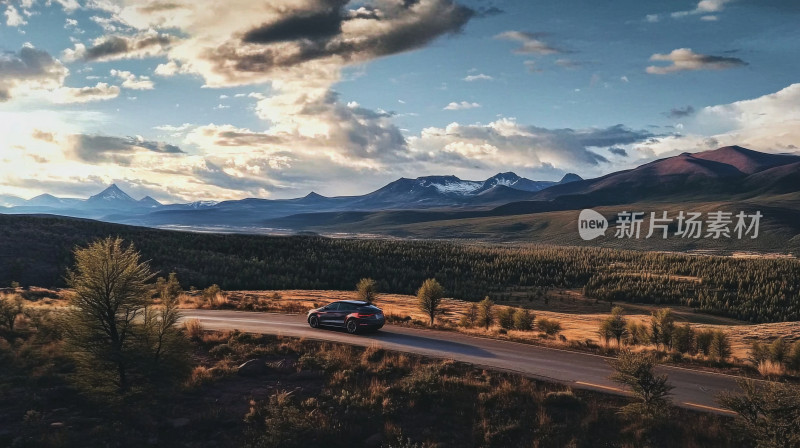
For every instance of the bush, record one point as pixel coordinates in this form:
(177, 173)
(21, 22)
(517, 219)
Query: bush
(523, 320)
(505, 318)
(638, 334)
(221, 351)
(703, 339)
(194, 329)
(550, 327)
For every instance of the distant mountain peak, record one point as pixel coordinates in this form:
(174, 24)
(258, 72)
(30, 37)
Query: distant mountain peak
(314, 195)
(570, 177)
(149, 202)
(111, 194)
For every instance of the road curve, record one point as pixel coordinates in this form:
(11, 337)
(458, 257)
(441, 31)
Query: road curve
(693, 389)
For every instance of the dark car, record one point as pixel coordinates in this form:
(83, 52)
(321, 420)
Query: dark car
(352, 315)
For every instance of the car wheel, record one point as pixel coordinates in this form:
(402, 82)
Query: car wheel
(313, 321)
(352, 326)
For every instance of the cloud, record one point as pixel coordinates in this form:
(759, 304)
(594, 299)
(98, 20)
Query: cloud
(131, 81)
(172, 68)
(461, 105)
(618, 151)
(28, 70)
(109, 48)
(684, 59)
(681, 112)
(770, 123)
(703, 7)
(505, 143)
(100, 92)
(478, 77)
(316, 25)
(13, 17)
(531, 43)
(107, 149)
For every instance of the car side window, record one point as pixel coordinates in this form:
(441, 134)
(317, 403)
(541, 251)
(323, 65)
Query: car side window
(332, 307)
(349, 307)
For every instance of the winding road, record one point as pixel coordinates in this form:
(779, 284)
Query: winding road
(693, 389)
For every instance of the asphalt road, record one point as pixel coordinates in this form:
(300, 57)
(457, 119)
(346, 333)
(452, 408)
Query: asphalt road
(693, 389)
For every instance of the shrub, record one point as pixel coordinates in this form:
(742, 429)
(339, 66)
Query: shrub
(486, 312)
(221, 351)
(771, 369)
(505, 317)
(550, 327)
(638, 334)
(469, 319)
(367, 290)
(194, 329)
(523, 320)
(635, 370)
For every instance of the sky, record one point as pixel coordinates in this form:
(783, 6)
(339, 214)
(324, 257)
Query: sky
(188, 100)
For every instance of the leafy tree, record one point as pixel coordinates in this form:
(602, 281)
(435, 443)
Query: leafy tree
(111, 292)
(703, 340)
(429, 297)
(615, 326)
(683, 339)
(635, 370)
(10, 308)
(367, 290)
(769, 412)
(486, 312)
(662, 324)
(523, 320)
(720, 348)
(112, 331)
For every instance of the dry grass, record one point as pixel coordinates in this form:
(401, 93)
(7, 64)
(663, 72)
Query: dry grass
(194, 329)
(770, 369)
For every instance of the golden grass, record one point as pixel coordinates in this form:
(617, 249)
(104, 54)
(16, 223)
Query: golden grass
(770, 369)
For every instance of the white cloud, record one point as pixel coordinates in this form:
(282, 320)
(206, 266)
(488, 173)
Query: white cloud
(478, 77)
(684, 59)
(461, 105)
(770, 123)
(131, 81)
(100, 92)
(13, 17)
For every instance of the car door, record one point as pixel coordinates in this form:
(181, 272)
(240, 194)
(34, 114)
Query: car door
(329, 314)
(345, 309)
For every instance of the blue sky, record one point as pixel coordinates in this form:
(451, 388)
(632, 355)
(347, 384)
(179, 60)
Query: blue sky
(193, 100)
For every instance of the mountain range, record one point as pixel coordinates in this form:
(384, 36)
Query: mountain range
(505, 207)
(114, 205)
